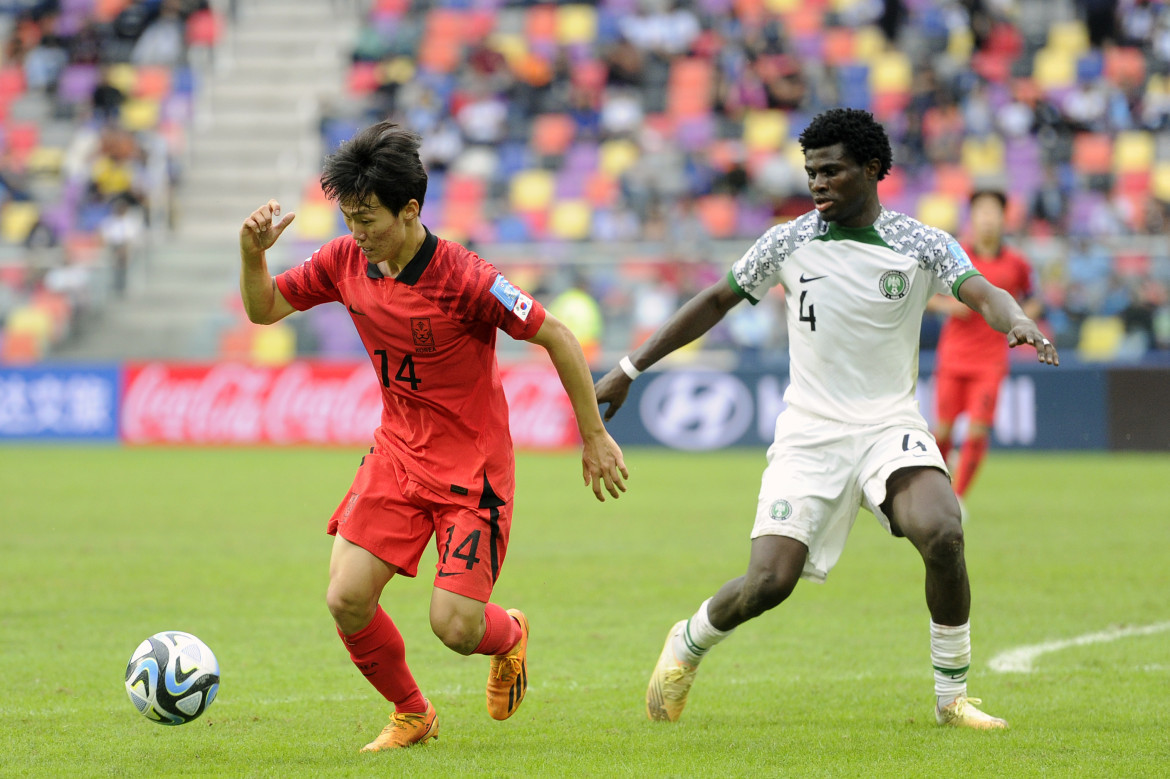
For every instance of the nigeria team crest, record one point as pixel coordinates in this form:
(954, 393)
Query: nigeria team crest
(780, 510)
(894, 284)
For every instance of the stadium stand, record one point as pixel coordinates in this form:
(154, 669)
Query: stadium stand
(611, 140)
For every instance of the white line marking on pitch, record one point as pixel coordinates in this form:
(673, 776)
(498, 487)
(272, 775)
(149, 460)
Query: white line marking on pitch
(1020, 660)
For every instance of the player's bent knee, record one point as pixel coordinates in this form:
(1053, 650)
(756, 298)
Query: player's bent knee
(351, 611)
(764, 591)
(943, 546)
(458, 633)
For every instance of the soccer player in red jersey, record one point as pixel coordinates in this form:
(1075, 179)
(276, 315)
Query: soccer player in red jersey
(972, 358)
(442, 464)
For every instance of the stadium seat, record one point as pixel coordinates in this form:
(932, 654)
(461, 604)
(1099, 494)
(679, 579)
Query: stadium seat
(316, 221)
(868, 43)
(571, 220)
(938, 210)
(718, 214)
(1160, 182)
(140, 114)
(552, 134)
(274, 345)
(1133, 151)
(532, 190)
(152, 82)
(601, 189)
(764, 130)
(953, 181)
(107, 10)
(576, 24)
(540, 23)
(12, 84)
(1132, 264)
(1071, 36)
(617, 155)
(1054, 69)
(1092, 153)
(1101, 338)
(838, 47)
(17, 219)
(122, 76)
(19, 347)
(689, 88)
(983, 157)
(890, 72)
(1125, 67)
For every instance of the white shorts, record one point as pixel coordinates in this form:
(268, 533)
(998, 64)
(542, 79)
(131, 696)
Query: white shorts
(820, 472)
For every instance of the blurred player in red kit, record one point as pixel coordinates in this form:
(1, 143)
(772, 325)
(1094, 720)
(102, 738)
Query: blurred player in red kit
(442, 463)
(972, 358)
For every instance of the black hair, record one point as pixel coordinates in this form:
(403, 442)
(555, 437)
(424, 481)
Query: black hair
(381, 160)
(861, 135)
(998, 194)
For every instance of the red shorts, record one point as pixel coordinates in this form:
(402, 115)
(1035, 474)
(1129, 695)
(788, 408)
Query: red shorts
(393, 517)
(976, 394)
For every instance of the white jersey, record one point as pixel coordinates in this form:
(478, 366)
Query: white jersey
(855, 300)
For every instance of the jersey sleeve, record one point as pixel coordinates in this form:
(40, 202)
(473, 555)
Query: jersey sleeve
(942, 255)
(312, 282)
(758, 270)
(487, 296)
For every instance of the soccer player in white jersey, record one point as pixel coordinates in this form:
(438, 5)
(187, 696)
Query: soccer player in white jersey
(856, 278)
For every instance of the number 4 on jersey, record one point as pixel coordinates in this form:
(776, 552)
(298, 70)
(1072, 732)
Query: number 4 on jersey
(810, 317)
(405, 373)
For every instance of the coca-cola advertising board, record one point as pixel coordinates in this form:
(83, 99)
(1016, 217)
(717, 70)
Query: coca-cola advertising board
(306, 403)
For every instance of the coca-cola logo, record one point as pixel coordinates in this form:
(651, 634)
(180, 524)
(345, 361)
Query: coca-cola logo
(307, 403)
(539, 413)
(240, 404)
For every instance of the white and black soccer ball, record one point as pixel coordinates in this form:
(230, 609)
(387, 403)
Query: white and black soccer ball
(172, 677)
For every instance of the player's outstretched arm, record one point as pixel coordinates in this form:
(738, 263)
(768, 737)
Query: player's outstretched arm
(601, 458)
(1003, 313)
(696, 317)
(263, 301)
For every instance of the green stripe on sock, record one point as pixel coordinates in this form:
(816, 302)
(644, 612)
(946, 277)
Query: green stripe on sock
(690, 642)
(954, 673)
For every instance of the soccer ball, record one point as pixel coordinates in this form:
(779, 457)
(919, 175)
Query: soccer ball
(172, 677)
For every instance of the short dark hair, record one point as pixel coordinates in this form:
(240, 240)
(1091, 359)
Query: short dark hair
(380, 160)
(862, 136)
(998, 194)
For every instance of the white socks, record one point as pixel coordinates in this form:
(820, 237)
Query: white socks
(950, 654)
(697, 637)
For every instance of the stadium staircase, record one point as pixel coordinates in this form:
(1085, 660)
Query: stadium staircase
(254, 135)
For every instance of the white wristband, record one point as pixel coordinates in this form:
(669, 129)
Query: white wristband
(627, 366)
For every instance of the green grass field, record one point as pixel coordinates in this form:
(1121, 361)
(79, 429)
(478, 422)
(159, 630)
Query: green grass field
(103, 547)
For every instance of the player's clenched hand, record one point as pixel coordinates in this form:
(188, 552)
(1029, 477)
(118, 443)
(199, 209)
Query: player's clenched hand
(1028, 333)
(602, 463)
(612, 388)
(261, 229)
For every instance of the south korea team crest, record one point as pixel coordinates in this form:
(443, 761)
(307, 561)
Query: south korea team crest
(894, 284)
(780, 510)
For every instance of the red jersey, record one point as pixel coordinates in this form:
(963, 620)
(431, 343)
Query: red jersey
(969, 345)
(431, 335)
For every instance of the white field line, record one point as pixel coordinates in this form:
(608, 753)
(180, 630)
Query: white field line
(1020, 660)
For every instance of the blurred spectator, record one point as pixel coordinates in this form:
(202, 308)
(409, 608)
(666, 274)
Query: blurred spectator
(122, 230)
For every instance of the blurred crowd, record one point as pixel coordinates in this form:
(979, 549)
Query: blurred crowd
(616, 155)
(675, 122)
(96, 97)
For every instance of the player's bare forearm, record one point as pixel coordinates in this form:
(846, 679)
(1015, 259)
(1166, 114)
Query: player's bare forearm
(694, 319)
(601, 458)
(262, 299)
(1001, 311)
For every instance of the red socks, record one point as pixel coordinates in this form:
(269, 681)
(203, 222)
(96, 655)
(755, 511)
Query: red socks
(500, 632)
(944, 448)
(969, 458)
(380, 654)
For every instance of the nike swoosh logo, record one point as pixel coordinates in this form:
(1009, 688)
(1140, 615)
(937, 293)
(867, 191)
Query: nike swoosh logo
(354, 311)
(803, 280)
(443, 574)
